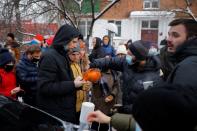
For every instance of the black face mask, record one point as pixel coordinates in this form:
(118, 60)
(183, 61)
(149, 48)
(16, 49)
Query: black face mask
(35, 60)
(8, 68)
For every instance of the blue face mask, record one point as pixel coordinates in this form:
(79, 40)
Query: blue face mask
(129, 60)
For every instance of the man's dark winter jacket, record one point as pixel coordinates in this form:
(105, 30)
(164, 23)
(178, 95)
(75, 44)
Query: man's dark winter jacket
(167, 62)
(185, 72)
(57, 94)
(27, 76)
(132, 77)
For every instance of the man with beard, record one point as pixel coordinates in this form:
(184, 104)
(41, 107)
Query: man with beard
(57, 85)
(169, 107)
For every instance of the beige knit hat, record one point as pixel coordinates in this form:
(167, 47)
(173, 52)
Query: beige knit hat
(121, 50)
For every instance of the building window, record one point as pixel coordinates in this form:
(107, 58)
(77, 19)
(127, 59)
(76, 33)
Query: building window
(118, 24)
(154, 24)
(151, 4)
(150, 24)
(145, 24)
(84, 27)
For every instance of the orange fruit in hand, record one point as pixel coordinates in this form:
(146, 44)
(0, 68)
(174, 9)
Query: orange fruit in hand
(92, 75)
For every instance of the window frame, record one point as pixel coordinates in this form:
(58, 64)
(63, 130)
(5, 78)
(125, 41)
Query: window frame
(151, 4)
(86, 27)
(149, 24)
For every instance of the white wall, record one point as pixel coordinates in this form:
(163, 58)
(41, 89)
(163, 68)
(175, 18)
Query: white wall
(131, 28)
(99, 30)
(164, 28)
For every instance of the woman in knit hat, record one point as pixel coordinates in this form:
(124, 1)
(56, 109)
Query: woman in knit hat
(7, 76)
(137, 69)
(121, 50)
(75, 57)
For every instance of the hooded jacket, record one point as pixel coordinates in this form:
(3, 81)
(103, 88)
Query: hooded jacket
(132, 78)
(56, 89)
(185, 72)
(97, 51)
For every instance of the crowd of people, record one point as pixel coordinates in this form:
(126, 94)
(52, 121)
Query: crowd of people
(138, 85)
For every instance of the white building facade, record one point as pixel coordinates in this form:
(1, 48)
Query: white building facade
(140, 25)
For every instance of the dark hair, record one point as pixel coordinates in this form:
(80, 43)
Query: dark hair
(11, 35)
(98, 43)
(128, 43)
(32, 49)
(190, 25)
(106, 36)
(80, 37)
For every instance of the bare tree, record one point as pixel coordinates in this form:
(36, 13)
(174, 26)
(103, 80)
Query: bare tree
(94, 18)
(69, 10)
(187, 10)
(10, 13)
(182, 7)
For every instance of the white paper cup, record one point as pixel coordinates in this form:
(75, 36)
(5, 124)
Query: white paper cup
(86, 108)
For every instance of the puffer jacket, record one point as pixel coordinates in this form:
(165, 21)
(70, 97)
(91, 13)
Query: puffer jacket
(132, 77)
(27, 76)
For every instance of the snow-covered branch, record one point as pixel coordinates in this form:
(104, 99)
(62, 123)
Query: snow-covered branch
(186, 10)
(106, 9)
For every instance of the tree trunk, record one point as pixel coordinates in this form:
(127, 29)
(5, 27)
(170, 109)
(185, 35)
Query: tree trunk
(18, 20)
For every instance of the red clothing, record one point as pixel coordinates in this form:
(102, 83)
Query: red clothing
(7, 83)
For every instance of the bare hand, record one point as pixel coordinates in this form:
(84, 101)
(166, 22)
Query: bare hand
(98, 116)
(16, 90)
(87, 86)
(109, 98)
(79, 82)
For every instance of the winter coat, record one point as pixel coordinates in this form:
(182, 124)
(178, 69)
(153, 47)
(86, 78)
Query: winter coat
(98, 96)
(166, 108)
(123, 122)
(109, 50)
(27, 76)
(7, 83)
(132, 78)
(185, 72)
(98, 51)
(56, 89)
(167, 62)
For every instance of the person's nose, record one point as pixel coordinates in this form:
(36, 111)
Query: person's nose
(73, 45)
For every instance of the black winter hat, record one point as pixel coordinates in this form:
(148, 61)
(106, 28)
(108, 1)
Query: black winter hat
(75, 49)
(139, 50)
(5, 57)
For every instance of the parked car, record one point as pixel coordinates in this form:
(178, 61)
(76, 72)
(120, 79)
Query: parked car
(17, 116)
